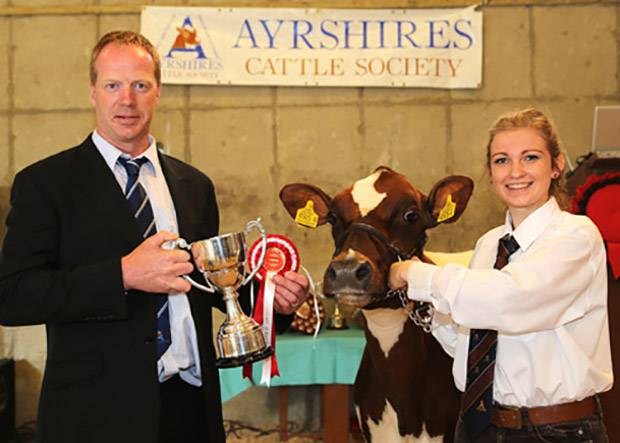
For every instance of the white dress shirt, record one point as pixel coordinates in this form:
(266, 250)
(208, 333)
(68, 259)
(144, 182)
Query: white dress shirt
(549, 306)
(182, 356)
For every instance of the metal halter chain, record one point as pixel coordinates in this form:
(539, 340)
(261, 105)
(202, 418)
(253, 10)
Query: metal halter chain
(422, 313)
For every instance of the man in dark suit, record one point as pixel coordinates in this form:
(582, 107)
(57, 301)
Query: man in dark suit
(130, 352)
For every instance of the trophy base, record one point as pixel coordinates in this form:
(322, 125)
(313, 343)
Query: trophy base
(241, 341)
(231, 362)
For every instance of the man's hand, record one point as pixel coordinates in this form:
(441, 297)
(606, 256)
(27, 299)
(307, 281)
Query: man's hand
(151, 268)
(291, 292)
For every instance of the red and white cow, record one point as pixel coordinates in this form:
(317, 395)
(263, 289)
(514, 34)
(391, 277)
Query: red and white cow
(186, 38)
(404, 391)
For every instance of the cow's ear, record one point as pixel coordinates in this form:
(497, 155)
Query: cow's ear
(295, 196)
(448, 198)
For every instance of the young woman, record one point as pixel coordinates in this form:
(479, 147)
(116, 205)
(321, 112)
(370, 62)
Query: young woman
(530, 337)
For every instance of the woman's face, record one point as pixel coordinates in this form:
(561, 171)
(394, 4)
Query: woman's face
(521, 170)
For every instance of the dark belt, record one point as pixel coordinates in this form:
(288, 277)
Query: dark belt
(504, 417)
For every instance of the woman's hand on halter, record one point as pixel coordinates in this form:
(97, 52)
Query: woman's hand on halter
(398, 273)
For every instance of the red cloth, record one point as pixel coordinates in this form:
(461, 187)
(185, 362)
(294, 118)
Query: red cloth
(604, 209)
(599, 199)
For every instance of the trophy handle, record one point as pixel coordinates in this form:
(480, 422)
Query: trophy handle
(256, 224)
(180, 243)
(210, 289)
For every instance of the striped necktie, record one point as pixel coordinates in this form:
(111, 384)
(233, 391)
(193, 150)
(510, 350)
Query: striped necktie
(477, 401)
(143, 213)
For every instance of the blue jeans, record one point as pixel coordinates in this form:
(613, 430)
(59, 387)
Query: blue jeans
(587, 430)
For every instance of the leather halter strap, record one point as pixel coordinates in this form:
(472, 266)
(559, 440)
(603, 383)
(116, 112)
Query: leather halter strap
(396, 252)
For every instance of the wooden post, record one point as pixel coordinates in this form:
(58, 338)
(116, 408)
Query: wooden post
(335, 413)
(283, 390)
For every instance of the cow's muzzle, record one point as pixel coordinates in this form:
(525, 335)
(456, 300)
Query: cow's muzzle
(352, 277)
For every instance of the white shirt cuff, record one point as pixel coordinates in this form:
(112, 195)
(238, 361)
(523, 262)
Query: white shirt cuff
(419, 281)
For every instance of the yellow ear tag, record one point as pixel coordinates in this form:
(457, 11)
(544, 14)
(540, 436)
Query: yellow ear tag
(448, 210)
(306, 216)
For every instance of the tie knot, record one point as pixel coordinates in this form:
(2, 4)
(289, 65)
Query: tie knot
(132, 165)
(509, 243)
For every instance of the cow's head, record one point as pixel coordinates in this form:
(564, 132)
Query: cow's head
(188, 35)
(378, 220)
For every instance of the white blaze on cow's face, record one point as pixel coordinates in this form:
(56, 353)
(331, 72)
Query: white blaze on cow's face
(365, 195)
(386, 431)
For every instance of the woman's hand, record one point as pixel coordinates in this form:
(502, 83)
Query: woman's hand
(398, 273)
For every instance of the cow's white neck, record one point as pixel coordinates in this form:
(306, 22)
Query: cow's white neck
(365, 194)
(385, 325)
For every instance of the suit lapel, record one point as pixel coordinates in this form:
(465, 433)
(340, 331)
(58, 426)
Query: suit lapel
(97, 185)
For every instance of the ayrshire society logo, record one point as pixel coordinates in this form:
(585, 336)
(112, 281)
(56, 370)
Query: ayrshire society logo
(187, 50)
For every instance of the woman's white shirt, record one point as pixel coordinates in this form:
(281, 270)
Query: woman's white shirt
(549, 306)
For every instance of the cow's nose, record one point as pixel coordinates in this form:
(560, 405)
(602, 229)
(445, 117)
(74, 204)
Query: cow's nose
(349, 273)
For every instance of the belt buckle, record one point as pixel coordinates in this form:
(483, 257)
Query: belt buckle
(519, 424)
(517, 414)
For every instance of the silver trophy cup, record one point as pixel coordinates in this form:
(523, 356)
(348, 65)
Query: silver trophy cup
(222, 262)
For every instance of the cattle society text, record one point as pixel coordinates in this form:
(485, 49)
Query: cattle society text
(363, 66)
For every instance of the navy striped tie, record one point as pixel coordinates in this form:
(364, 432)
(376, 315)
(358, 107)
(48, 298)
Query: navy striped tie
(143, 213)
(477, 401)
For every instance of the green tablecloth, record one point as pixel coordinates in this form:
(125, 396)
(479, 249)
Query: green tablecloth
(333, 358)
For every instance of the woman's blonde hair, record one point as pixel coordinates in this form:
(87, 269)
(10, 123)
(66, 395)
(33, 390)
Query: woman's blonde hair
(535, 119)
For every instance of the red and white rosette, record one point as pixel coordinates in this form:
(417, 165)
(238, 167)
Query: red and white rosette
(281, 256)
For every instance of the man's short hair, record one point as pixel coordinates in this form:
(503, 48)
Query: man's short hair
(124, 38)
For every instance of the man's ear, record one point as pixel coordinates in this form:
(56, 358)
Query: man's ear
(159, 91)
(296, 196)
(93, 93)
(448, 198)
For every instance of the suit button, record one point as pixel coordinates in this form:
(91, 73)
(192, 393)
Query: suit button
(149, 340)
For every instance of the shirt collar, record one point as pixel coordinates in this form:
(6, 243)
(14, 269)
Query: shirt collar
(111, 153)
(533, 225)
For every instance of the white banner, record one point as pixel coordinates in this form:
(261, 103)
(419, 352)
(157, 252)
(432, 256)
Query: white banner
(436, 48)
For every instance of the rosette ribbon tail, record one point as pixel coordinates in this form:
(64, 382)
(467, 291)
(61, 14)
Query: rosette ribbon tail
(263, 315)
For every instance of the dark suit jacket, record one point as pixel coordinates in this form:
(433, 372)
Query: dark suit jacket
(68, 227)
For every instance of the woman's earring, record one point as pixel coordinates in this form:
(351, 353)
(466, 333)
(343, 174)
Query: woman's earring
(555, 175)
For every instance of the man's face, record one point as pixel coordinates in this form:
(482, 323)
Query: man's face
(125, 96)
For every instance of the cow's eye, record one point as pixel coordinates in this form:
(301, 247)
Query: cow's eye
(410, 216)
